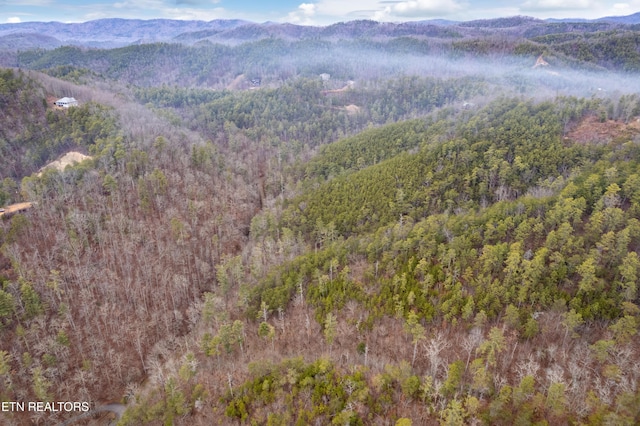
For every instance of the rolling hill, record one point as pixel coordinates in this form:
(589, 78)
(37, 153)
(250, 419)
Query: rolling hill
(365, 223)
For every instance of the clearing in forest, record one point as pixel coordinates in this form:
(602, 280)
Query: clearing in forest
(594, 130)
(15, 208)
(68, 159)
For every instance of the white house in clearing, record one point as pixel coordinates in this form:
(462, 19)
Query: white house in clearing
(66, 102)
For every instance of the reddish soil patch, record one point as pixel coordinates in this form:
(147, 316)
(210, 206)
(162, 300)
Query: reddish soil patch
(352, 109)
(237, 83)
(592, 130)
(16, 208)
(68, 159)
(51, 102)
(344, 89)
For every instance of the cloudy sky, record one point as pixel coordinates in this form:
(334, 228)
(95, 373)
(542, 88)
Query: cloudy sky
(309, 12)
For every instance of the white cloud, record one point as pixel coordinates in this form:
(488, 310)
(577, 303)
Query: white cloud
(308, 8)
(303, 15)
(346, 8)
(329, 11)
(626, 8)
(588, 9)
(194, 14)
(553, 5)
(147, 9)
(423, 8)
(14, 20)
(26, 2)
(139, 4)
(325, 12)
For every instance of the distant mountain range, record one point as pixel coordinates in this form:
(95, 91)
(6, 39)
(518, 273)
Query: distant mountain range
(108, 33)
(628, 20)
(114, 32)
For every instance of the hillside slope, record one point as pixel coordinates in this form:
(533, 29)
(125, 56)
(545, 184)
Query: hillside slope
(461, 248)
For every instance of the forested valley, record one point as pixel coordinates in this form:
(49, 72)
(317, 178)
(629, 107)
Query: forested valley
(428, 229)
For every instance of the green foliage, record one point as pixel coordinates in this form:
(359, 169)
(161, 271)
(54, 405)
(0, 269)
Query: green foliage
(481, 381)
(31, 135)
(571, 320)
(175, 402)
(530, 328)
(165, 405)
(230, 336)
(464, 218)
(454, 414)
(21, 100)
(62, 338)
(208, 307)
(30, 300)
(177, 97)
(493, 346)
(7, 306)
(368, 148)
(330, 324)
(286, 384)
(556, 399)
(619, 51)
(266, 331)
(629, 270)
(480, 165)
(188, 369)
(8, 189)
(70, 73)
(19, 225)
(41, 384)
(626, 328)
(547, 239)
(413, 327)
(451, 385)
(5, 363)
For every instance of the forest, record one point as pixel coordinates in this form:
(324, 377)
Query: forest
(356, 232)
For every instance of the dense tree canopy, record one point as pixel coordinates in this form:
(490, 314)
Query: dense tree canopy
(255, 243)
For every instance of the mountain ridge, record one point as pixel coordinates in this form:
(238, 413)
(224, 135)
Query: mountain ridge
(118, 32)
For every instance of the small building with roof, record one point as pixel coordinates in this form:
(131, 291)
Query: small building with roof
(66, 102)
